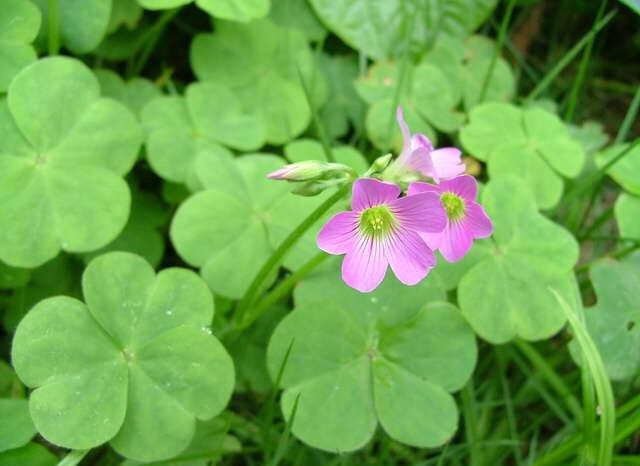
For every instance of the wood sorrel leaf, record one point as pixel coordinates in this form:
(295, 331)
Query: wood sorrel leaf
(262, 63)
(135, 93)
(506, 293)
(19, 24)
(614, 322)
(136, 356)
(231, 227)
(381, 29)
(16, 427)
(61, 172)
(532, 144)
(234, 10)
(81, 29)
(390, 357)
(625, 172)
(627, 211)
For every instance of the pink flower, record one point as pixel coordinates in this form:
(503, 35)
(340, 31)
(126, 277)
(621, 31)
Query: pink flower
(382, 230)
(418, 154)
(466, 219)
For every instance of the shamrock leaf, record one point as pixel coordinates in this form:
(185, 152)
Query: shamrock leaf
(627, 212)
(135, 93)
(262, 64)
(81, 29)
(626, 171)
(182, 129)
(12, 277)
(532, 144)
(19, 24)
(614, 322)
(390, 357)
(16, 428)
(233, 226)
(138, 351)
(141, 235)
(61, 171)
(506, 293)
(298, 14)
(381, 29)
(234, 10)
(124, 12)
(32, 454)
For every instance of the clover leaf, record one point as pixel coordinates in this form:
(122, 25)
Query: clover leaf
(390, 357)
(627, 212)
(297, 14)
(12, 277)
(626, 171)
(16, 428)
(61, 163)
(381, 29)
(182, 129)
(135, 93)
(261, 63)
(19, 25)
(506, 294)
(135, 366)
(124, 12)
(234, 10)
(32, 454)
(532, 144)
(614, 322)
(231, 227)
(81, 29)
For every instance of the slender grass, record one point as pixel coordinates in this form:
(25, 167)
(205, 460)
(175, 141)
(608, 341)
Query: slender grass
(509, 407)
(317, 124)
(578, 83)
(600, 380)
(285, 439)
(53, 38)
(504, 25)
(470, 412)
(546, 81)
(629, 118)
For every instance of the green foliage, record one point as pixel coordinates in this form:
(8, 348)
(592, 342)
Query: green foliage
(532, 144)
(16, 428)
(19, 25)
(234, 10)
(390, 357)
(61, 173)
(139, 351)
(626, 172)
(506, 294)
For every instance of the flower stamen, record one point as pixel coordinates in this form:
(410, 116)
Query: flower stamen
(454, 205)
(377, 221)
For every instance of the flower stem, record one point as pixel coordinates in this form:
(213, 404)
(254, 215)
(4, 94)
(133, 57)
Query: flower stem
(276, 258)
(73, 457)
(54, 27)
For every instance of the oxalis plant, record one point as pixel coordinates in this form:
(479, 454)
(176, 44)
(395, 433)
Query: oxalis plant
(318, 232)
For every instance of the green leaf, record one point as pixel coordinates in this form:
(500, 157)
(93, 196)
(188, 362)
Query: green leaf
(16, 428)
(142, 233)
(32, 454)
(182, 130)
(298, 14)
(343, 106)
(625, 172)
(633, 4)
(234, 10)
(310, 149)
(135, 93)
(627, 212)
(357, 360)
(614, 322)
(232, 227)
(82, 24)
(12, 277)
(261, 63)
(381, 29)
(139, 351)
(61, 163)
(124, 12)
(532, 144)
(506, 294)
(19, 25)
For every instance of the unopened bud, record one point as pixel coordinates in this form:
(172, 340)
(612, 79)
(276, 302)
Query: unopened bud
(315, 187)
(311, 170)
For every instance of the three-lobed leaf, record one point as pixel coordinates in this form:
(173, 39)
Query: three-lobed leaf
(136, 356)
(19, 25)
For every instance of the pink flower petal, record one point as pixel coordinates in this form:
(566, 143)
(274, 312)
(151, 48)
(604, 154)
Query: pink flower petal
(464, 186)
(364, 266)
(409, 256)
(447, 163)
(477, 220)
(420, 212)
(368, 192)
(420, 187)
(455, 242)
(339, 234)
(420, 161)
(433, 240)
(420, 141)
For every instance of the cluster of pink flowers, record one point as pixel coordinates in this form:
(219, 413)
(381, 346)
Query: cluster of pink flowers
(385, 228)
